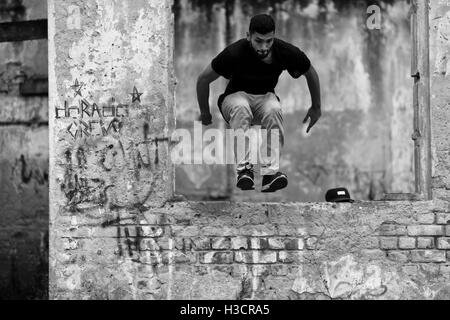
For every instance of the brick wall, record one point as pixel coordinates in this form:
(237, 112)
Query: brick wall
(204, 250)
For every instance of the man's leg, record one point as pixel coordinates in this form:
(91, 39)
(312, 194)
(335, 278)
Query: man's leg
(267, 111)
(236, 110)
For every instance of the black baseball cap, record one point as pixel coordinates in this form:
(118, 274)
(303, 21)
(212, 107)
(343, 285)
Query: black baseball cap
(338, 195)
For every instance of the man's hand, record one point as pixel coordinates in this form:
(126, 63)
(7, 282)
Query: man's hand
(314, 114)
(206, 119)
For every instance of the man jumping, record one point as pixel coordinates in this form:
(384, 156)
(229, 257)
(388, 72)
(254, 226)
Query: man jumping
(253, 65)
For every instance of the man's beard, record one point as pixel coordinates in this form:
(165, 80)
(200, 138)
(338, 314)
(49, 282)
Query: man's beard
(260, 54)
(263, 55)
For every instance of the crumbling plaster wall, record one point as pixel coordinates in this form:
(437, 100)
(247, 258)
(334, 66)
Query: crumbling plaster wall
(117, 232)
(363, 140)
(439, 19)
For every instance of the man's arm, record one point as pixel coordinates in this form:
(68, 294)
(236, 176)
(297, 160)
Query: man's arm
(314, 113)
(204, 79)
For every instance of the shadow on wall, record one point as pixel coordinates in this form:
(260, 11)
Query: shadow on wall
(363, 139)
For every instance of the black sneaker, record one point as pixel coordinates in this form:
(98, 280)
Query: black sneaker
(274, 182)
(245, 179)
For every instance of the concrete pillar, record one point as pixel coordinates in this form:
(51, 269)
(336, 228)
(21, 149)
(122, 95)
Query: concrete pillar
(110, 115)
(439, 19)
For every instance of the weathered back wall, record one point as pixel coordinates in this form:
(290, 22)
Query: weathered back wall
(23, 159)
(110, 241)
(363, 141)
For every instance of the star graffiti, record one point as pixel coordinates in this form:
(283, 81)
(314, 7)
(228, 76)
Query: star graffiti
(77, 87)
(135, 95)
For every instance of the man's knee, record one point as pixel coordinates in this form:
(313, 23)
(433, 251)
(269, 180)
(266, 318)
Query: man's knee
(236, 99)
(272, 111)
(272, 106)
(237, 110)
(237, 103)
(241, 112)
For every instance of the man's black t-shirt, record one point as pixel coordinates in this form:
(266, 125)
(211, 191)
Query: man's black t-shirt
(247, 72)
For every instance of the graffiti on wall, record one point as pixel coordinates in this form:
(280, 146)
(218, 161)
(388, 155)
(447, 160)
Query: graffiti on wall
(97, 170)
(117, 164)
(92, 119)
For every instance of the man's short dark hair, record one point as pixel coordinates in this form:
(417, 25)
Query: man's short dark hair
(261, 23)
